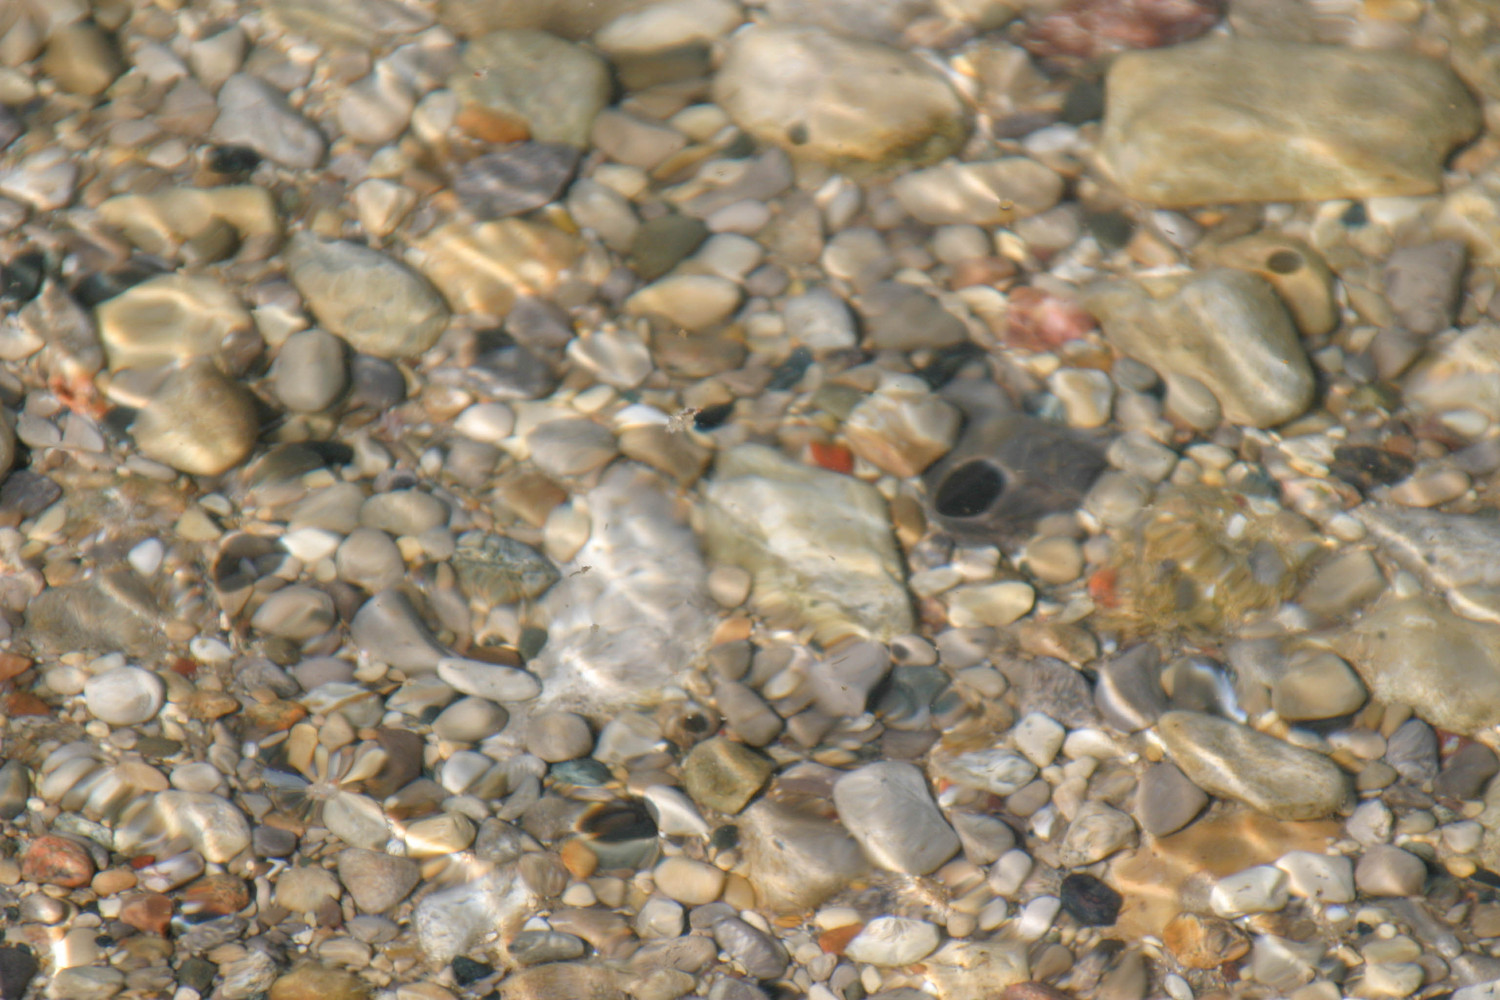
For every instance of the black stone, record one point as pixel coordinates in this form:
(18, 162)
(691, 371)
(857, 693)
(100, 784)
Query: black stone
(197, 973)
(1084, 102)
(725, 838)
(18, 966)
(1365, 467)
(1089, 901)
(466, 970)
(21, 279)
(101, 286)
(1112, 229)
(790, 371)
(375, 383)
(713, 416)
(1355, 215)
(233, 161)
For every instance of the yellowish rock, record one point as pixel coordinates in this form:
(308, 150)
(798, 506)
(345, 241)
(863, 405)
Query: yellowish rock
(169, 318)
(160, 223)
(485, 268)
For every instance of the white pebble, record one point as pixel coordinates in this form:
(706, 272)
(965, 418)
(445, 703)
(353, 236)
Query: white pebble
(145, 558)
(124, 696)
(487, 422)
(1262, 889)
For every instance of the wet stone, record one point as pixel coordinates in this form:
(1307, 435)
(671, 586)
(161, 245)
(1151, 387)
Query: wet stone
(1293, 110)
(889, 809)
(499, 570)
(1089, 901)
(901, 317)
(1422, 284)
(311, 371)
(369, 299)
(1166, 801)
(57, 861)
(255, 114)
(1412, 750)
(1236, 762)
(983, 193)
(1384, 870)
(844, 101)
(515, 179)
(723, 775)
(529, 84)
(169, 317)
(200, 421)
(1466, 772)
(124, 696)
(756, 952)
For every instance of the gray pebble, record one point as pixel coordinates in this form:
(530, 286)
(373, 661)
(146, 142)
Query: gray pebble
(759, 954)
(1413, 751)
(1467, 772)
(469, 720)
(1166, 801)
(376, 880)
(253, 113)
(388, 628)
(1422, 284)
(369, 559)
(1389, 871)
(310, 371)
(559, 736)
(515, 179)
(889, 809)
(403, 512)
(297, 612)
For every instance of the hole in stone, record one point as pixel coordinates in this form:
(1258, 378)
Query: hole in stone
(1284, 262)
(797, 134)
(970, 489)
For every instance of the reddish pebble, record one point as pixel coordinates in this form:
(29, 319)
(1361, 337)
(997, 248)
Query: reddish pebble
(833, 457)
(147, 912)
(25, 703)
(12, 665)
(1087, 29)
(1033, 991)
(218, 895)
(57, 861)
(1039, 321)
(835, 940)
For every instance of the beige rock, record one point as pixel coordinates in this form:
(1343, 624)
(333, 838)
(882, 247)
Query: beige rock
(691, 301)
(985, 193)
(169, 318)
(542, 86)
(484, 268)
(82, 59)
(1223, 328)
(160, 223)
(200, 421)
(1227, 119)
(1298, 273)
(902, 428)
(839, 100)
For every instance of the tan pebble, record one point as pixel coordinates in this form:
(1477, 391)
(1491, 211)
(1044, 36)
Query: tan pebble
(732, 630)
(995, 604)
(1200, 942)
(1428, 488)
(694, 883)
(1054, 560)
(739, 892)
(578, 858)
(315, 982)
(729, 585)
(112, 881)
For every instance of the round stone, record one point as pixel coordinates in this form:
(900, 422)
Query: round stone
(124, 696)
(469, 720)
(200, 421)
(403, 512)
(376, 303)
(369, 558)
(297, 612)
(693, 883)
(57, 861)
(893, 941)
(517, 84)
(559, 736)
(1390, 871)
(169, 318)
(255, 114)
(304, 889)
(376, 881)
(311, 371)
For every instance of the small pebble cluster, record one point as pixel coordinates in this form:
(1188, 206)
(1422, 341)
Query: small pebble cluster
(749, 499)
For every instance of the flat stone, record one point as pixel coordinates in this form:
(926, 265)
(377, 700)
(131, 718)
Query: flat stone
(376, 881)
(692, 301)
(559, 736)
(723, 775)
(82, 58)
(298, 612)
(253, 113)
(487, 267)
(1323, 878)
(1423, 284)
(1466, 773)
(1384, 870)
(1097, 831)
(1224, 328)
(302, 889)
(893, 941)
(666, 27)
(888, 808)
(311, 981)
(819, 321)
(902, 317)
(389, 629)
(1166, 801)
(526, 83)
(1317, 687)
(1413, 651)
(1247, 120)
(57, 861)
(371, 300)
(200, 421)
(214, 826)
(818, 545)
(902, 428)
(488, 680)
(124, 696)
(846, 102)
(983, 193)
(798, 856)
(1262, 889)
(693, 883)
(515, 179)
(1236, 762)
(167, 318)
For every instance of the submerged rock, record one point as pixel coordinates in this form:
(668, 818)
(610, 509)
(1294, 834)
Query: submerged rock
(843, 101)
(632, 610)
(1457, 555)
(1227, 119)
(818, 544)
(1225, 329)
(1413, 651)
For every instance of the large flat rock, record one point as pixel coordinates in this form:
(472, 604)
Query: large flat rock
(1249, 120)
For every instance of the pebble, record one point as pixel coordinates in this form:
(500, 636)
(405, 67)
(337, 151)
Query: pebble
(901, 317)
(1206, 320)
(200, 421)
(694, 302)
(1384, 870)
(487, 680)
(722, 775)
(1323, 878)
(1317, 687)
(1262, 889)
(304, 889)
(1423, 284)
(1233, 761)
(841, 100)
(124, 696)
(888, 808)
(57, 861)
(255, 114)
(529, 84)
(824, 554)
(901, 428)
(1300, 96)
(375, 303)
(213, 825)
(893, 941)
(167, 318)
(1089, 901)
(986, 193)
(819, 321)
(692, 883)
(1097, 831)
(558, 736)
(311, 371)
(798, 857)
(1166, 801)
(82, 58)
(516, 179)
